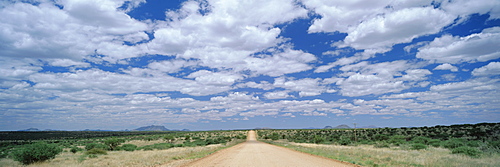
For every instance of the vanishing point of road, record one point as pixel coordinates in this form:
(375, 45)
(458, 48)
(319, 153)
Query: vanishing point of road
(255, 153)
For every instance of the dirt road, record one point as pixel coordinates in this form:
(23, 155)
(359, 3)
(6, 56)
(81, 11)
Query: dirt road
(255, 153)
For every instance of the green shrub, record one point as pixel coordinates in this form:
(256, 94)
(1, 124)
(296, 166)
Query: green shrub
(92, 155)
(367, 142)
(241, 137)
(96, 151)
(469, 151)
(318, 139)
(434, 142)
(113, 143)
(129, 147)
(37, 152)
(494, 144)
(397, 140)
(169, 138)
(473, 143)
(418, 146)
(150, 138)
(380, 137)
(199, 142)
(381, 145)
(4, 149)
(157, 146)
(454, 143)
(344, 141)
(211, 141)
(420, 139)
(274, 136)
(75, 149)
(90, 146)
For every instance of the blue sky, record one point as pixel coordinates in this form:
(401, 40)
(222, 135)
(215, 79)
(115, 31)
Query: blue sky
(222, 64)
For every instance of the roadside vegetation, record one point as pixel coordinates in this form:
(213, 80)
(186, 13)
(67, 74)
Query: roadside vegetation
(476, 145)
(80, 149)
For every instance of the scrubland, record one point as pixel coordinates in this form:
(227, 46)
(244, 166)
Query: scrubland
(171, 149)
(455, 145)
(368, 155)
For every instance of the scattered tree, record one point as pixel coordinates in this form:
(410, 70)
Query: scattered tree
(113, 143)
(37, 152)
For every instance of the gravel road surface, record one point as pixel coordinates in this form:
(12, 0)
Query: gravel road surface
(255, 153)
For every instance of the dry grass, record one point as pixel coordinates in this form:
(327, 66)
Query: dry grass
(367, 155)
(171, 157)
(140, 143)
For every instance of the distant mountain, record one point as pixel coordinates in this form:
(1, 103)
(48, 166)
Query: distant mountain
(30, 129)
(343, 126)
(152, 128)
(36, 129)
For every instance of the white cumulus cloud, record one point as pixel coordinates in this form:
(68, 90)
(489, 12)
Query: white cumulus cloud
(446, 66)
(491, 69)
(453, 49)
(401, 26)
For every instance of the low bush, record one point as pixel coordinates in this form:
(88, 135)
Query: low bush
(397, 140)
(344, 142)
(5, 149)
(75, 149)
(434, 142)
(418, 146)
(473, 143)
(96, 151)
(128, 147)
(90, 146)
(112, 143)
(150, 138)
(366, 142)
(215, 141)
(241, 137)
(318, 139)
(494, 144)
(420, 139)
(158, 146)
(274, 136)
(453, 143)
(169, 138)
(195, 143)
(380, 137)
(37, 152)
(381, 145)
(470, 151)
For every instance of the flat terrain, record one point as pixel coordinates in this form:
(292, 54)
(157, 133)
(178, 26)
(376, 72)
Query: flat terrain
(255, 153)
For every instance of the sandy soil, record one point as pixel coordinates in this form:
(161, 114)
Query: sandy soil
(255, 153)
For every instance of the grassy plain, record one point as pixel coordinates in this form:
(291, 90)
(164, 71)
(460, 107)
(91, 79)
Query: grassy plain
(368, 155)
(149, 149)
